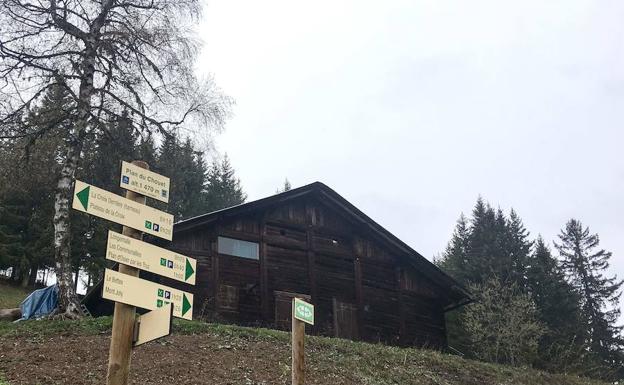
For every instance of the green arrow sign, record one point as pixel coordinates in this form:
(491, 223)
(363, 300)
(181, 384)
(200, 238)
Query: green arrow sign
(146, 294)
(186, 305)
(112, 207)
(303, 311)
(132, 252)
(83, 197)
(188, 271)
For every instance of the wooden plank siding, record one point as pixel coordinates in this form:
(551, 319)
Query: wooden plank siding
(360, 288)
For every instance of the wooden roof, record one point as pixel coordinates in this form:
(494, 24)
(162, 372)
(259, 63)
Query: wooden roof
(456, 294)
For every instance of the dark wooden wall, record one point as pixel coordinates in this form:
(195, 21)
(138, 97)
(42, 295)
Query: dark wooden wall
(360, 289)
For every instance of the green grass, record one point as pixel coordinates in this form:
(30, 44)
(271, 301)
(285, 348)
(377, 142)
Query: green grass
(368, 363)
(44, 328)
(12, 296)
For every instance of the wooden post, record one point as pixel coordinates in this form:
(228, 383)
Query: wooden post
(124, 315)
(298, 360)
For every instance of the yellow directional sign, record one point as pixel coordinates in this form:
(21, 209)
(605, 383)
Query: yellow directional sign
(154, 324)
(144, 256)
(145, 294)
(144, 182)
(104, 204)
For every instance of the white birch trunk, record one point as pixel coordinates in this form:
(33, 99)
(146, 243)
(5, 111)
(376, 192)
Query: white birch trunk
(68, 300)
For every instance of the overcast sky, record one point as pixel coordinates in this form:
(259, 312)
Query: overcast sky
(412, 109)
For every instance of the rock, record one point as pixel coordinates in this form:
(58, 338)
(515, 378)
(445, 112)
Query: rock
(10, 314)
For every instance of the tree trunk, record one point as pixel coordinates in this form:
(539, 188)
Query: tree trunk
(68, 300)
(32, 280)
(25, 278)
(77, 272)
(24, 272)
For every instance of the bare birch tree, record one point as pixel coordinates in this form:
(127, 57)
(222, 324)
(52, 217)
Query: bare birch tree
(113, 57)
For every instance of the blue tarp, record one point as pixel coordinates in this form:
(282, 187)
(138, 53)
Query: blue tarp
(40, 303)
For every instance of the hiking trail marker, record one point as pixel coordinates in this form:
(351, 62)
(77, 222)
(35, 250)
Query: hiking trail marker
(124, 286)
(145, 182)
(146, 294)
(302, 313)
(104, 204)
(144, 256)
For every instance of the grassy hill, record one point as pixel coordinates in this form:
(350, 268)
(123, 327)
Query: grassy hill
(76, 352)
(11, 296)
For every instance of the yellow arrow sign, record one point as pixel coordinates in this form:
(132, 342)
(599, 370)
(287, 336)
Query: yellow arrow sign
(145, 294)
(144, 256)
(144, 182)
(104, 204)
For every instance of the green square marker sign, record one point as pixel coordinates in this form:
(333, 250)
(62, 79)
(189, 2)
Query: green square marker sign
(303, 311)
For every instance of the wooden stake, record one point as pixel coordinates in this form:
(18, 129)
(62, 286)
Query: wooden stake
(124, 315)
(298, 359)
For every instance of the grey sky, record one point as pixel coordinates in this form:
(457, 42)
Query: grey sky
(411, 109)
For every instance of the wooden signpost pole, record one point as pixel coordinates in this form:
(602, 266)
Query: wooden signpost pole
(124, 315)
(298, 359)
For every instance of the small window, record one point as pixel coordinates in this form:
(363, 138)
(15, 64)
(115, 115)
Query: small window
(238, 248)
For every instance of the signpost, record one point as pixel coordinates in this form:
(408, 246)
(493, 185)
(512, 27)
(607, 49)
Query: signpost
(124, 286)
(146, 294)
(145, 256)
(302, 313)
(127, 212)
(124, 315)
(144, 182)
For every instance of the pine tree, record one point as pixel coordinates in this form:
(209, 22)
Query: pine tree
(584, 266)
(453, 259)
(561, 347)
(223, 188)
(191, 183)
(286, 187)
(146, 151)
(232, 191)
(101, 167)
(483, 246)
(29, 169)
(517, 250)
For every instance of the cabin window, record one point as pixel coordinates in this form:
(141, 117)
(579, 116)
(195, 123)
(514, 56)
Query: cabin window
(238, 248)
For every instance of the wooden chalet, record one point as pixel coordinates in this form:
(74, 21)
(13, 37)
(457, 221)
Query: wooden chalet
(365, 283)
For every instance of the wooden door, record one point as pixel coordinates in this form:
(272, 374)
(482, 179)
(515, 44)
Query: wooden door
(345, 320)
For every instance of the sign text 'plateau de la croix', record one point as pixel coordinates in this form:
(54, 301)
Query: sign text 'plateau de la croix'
(149, 295)
(144, 256)
(303, 311)
(144, 182)
(104, 204)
